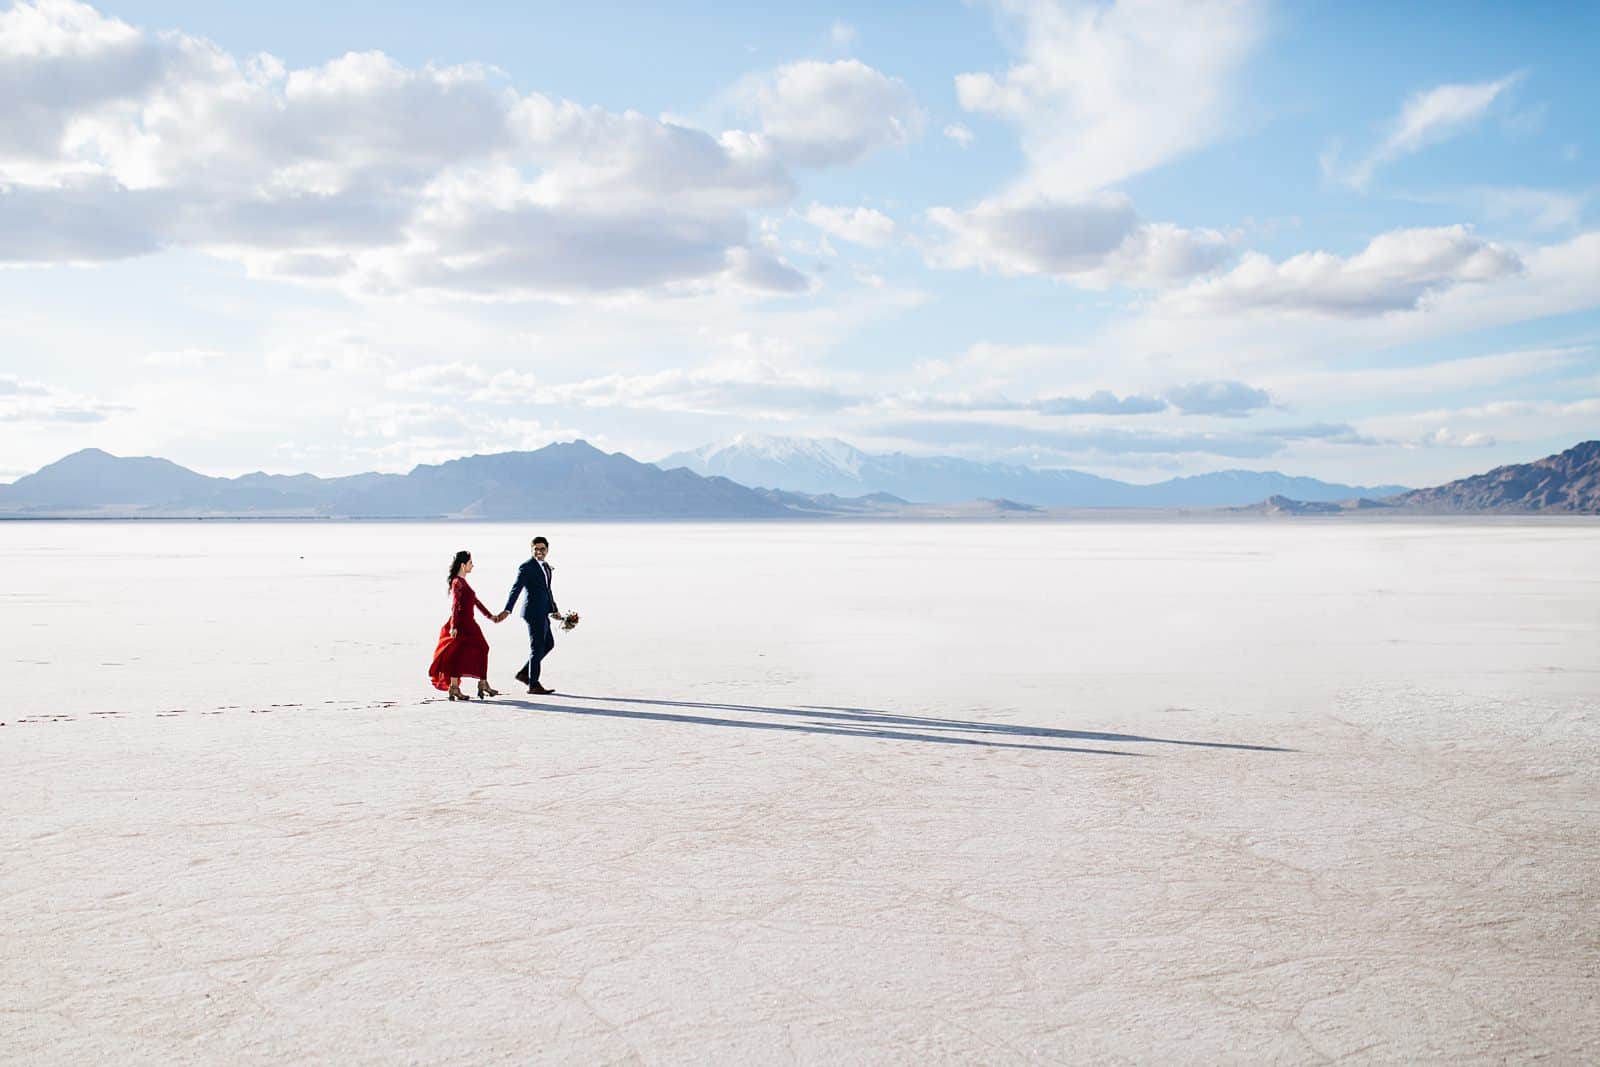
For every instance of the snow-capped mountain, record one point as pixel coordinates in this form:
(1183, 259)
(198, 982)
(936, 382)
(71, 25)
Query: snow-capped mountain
(798, 464)
(827, 465)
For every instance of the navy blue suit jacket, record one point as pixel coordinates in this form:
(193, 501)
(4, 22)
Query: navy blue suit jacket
(531, 579)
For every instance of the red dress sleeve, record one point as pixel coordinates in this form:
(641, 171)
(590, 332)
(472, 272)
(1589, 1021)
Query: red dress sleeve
(461, 599)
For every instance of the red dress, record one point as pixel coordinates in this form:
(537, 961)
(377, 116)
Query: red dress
(466, 655)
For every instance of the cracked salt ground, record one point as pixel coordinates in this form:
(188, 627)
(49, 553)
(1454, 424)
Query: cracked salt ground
(1188, 794)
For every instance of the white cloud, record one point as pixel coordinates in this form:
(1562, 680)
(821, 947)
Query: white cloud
(1445, 437)
(1397, 271)
(861, 225)
(818, 114)
(1087, 442)
(1427, 118)
(1539, 209)
(1346, 383)
(342, 353)
(186, 358)
(752, 389)
(841, 34)
(1098, 402)
(1499, 422)
(1094, 241)
(960, 134)
(1224, 398)
(457, 379)
(398, 436)
(757, 270)
(1106, 91)
(32, 402)
(386, 179)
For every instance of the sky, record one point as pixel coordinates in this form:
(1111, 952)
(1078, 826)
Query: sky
(1357, 241)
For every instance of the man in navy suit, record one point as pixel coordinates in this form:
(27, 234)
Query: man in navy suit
(534, 578)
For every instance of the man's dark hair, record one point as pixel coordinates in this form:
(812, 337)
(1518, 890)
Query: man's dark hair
(541, 541)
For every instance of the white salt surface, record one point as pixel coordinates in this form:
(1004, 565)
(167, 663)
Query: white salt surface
(826, 793)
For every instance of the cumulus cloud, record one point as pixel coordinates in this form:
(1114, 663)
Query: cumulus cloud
(1102, 91)
(1427, 118)
(400, 435)
(1094, 241)
(362, 171)
(1445, 437)
(1099, 440)
(1344, 382)
(81, 220)
(1099, 402)
(1537, 426)
(31, 402)
(186, 358)
(960, 134)
(342, 353)
(1397, 271)
(760, 271)
(753, 389)
(860, 225)
(1103, 440)
(1218, 398)
(10, 387)
(818, 114)
(1539, 209)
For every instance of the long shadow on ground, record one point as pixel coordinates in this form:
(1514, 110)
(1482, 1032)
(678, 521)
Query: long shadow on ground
(868, 716)
(837, 729)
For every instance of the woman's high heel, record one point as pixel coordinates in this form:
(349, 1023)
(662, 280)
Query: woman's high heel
(485, 690)
(457, 694)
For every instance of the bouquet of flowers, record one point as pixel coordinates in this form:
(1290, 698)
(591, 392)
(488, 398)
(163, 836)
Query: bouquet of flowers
(569, 621)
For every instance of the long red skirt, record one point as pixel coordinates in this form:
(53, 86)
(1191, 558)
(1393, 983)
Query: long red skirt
(466, 655)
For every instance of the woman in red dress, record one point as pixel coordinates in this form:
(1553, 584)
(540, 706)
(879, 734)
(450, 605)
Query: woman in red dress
(462, 652)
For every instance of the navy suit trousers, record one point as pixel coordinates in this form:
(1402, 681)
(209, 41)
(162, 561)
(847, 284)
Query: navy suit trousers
(541, 639)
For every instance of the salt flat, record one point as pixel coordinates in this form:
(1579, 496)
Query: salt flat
(1157, 792)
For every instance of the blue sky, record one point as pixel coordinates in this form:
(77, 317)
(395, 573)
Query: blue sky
(1357, 241)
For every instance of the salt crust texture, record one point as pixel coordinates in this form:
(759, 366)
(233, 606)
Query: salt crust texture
(1156, 792)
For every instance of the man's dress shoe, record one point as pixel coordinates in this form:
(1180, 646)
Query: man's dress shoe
(540, 690)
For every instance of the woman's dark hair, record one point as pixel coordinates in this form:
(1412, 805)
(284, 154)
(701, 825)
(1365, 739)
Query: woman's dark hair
(455, 565)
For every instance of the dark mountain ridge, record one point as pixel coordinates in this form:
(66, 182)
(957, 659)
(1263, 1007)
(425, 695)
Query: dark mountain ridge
(1567, 481)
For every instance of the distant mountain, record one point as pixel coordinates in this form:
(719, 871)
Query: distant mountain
(807, 465)
(570, 481)
(1568, 481)
(565, 481)
(882, 505)
(1282, 505)
(1222, 488)
(578, 481)
(107, 480)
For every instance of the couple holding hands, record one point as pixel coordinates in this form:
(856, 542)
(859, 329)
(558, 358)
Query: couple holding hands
(463, 652)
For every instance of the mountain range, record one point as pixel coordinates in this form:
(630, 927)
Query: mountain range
(1567, 481)
(560, 481)
(813, 465)
(578, 481)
